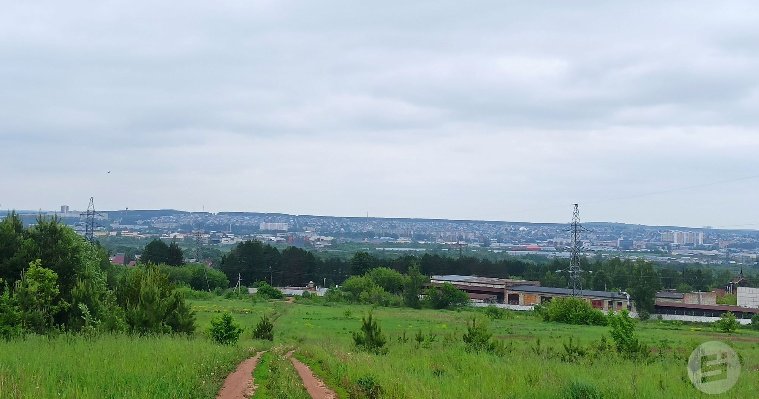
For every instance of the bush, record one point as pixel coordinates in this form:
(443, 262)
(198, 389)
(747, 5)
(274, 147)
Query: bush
(10, 316)
(151, 305)
(582, 390)
(727, 323)
(477, 337)
(224, 330)
(370, 337)
(755, 322)
(268, 292)
(623, 334)
(572, 311)
(366, 388)
(264, 329)
(446, 297)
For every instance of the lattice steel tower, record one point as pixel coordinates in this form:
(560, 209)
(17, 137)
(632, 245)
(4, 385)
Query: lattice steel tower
(575, 271)
(89, 221)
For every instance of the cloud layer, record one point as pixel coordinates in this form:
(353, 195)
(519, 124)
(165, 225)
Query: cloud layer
(492, 110)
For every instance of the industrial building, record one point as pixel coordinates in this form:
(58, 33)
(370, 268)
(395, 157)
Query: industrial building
(527, 295)
(481, 289)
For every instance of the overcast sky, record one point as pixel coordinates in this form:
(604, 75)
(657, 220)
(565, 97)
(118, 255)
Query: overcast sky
(643, 112)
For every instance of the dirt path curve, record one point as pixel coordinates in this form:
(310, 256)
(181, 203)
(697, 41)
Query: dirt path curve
(239, 384)
(315, 387)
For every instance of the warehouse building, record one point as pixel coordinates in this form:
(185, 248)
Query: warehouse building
(481, 289)
(528, 295)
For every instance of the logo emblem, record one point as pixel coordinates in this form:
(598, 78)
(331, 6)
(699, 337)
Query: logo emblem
(714, 368)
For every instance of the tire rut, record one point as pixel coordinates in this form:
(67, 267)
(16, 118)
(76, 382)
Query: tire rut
(315, 386)
(239, 384)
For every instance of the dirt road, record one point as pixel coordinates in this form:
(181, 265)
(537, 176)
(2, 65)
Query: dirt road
(239, 384)
(315, 387)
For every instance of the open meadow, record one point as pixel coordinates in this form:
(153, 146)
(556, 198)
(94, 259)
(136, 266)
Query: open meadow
(426, 357)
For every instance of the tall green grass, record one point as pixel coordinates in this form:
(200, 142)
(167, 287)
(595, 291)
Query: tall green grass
(115, 367)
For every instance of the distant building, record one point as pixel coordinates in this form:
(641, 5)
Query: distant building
(482, 289)
(268, 226)
(625, 244)
(748, 297)
(64, 209)
(118, 259)
(525, 295)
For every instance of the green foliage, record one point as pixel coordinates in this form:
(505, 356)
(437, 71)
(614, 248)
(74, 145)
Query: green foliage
(268, 292)
(38, 298)
(155, 252)
(728, 299)
(370, 338)
(727, 323)
(582, 390)
(388, 279)
(643, 288)
(622, 329)
(264, 329)
(572, 311)
(151, 305)
(366, 387)
(174, 256)
(413, 287)
(224, 330)
(446, 296)
(477, 338)
(361, 263)
(10, 316)
(755, 322)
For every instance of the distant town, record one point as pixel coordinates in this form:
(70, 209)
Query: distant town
(663, 244)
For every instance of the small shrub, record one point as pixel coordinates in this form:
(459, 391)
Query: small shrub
(572, 311)
(370, 337)
(264, 329)
(403, 339)
(582, 390)
(495, 313)
(573, 352)
(419, 338)
(727, 323)
(623, 334)
(755, 322)
(366, 387)
(224, 330)
(268, 292)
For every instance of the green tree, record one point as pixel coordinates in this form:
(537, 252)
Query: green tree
(174, 255)
(224, 330)
(370, 338)
(622, 328)
(361, 263)
(150, 303)
(264, 329)
(156, 252)
(446, 296)
(413, 287)
(727, 323)
(10, 315)
(38, 298)
(601, 281)
(12, 236)
(644, 285)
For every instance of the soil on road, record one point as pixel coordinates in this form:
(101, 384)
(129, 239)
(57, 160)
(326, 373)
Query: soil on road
(239, 384)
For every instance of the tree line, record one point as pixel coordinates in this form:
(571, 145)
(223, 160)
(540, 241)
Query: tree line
(52, 280)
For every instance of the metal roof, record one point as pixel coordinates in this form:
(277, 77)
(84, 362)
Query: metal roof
(568, 292)
(724, 308)
(455, 278)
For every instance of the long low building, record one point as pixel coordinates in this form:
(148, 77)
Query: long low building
(528, 295)
(487, 289)
(701, 313)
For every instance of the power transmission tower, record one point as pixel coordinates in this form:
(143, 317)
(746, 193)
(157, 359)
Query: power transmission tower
(575, 271)
(89, 221)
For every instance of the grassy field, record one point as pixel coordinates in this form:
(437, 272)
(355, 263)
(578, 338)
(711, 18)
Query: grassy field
(532, 366)
(115, 367)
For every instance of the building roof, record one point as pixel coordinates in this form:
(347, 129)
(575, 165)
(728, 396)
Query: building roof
(489, 281)
(568, 292)
(723, 308)
(670, 295)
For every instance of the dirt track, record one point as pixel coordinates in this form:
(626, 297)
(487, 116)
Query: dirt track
(314, 386)
(239, 384)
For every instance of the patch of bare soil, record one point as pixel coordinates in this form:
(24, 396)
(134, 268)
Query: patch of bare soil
(239, 384)
(315, 387)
